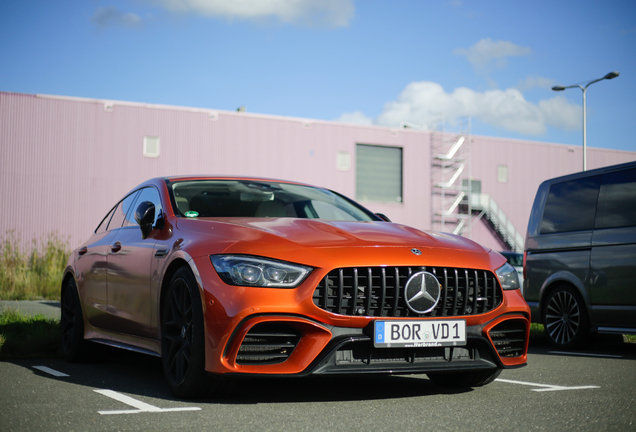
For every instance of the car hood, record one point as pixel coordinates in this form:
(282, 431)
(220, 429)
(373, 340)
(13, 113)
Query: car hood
(268, 235)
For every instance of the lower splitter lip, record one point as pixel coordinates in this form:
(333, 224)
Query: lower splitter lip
(345, 350)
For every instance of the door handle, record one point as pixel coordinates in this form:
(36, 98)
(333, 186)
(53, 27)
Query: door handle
(115, 247)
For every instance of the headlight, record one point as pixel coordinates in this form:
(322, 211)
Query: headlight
(508, 277)
(261, 272)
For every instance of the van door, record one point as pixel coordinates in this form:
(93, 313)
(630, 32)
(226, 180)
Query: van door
(613, 259)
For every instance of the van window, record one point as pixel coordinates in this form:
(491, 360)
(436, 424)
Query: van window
(616, 206)
(571, 206)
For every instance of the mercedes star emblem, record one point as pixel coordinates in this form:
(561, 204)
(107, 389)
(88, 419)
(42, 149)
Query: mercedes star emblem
(422, 292)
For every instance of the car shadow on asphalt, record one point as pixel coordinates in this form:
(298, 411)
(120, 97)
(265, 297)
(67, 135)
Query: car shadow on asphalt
(331, 389)
(597, 346)
(140, 375)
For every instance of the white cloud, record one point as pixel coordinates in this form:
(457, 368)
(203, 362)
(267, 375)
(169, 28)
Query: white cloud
(313, 13)
(355, 117)
(112, 17)
(425, 102)
(486, 53)
(535, 81)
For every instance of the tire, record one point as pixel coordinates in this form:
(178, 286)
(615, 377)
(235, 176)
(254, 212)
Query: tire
(565, 318)
(464, 379)
(182, 340)
(74, 347)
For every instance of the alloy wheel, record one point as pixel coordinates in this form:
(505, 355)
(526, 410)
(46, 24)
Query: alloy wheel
(68, 318)
(563, 318)
(178, 332)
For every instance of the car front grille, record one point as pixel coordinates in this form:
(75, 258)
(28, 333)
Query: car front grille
(509, 338)
(379, 291)
(267, 344)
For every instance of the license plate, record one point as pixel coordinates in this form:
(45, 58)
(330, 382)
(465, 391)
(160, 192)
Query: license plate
(416, 334)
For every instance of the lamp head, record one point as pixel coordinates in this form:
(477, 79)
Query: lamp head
(558, 88)
(611, 75)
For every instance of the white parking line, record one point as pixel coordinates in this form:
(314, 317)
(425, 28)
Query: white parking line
(546, 387)
(50, 371)
(585, 354)
(141, 406)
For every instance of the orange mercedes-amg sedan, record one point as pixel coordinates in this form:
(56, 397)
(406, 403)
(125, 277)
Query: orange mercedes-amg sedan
(225, 277)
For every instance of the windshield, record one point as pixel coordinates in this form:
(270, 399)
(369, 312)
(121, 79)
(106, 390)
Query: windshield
(256, 198)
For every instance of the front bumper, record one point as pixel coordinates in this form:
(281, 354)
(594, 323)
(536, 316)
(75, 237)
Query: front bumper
(261, 331)
(293, 345)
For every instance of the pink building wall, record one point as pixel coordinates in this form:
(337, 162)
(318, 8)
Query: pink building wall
(64, 162)
(529, 164)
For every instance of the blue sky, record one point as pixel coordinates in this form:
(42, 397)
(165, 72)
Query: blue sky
(366, 61)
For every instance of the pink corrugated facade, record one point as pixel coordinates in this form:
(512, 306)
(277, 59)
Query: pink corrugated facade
(65, 161)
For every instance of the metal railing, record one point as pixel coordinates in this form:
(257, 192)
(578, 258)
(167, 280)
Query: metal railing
(489, 209)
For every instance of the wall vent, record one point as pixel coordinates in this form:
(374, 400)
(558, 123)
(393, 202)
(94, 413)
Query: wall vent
(502, 173)
(151, 146)
(343, 161)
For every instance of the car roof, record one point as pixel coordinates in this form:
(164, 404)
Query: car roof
(583, 174)
(229, 177)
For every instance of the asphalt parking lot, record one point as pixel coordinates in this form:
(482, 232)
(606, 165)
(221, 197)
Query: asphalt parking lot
(590, 390)
(48, 308)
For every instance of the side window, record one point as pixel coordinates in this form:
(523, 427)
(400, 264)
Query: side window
(616, 206)
(121, 211)
(103, 225)
(571, 206)
(146, 194)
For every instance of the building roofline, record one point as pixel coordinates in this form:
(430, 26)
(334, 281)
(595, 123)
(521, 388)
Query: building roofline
(308, 121)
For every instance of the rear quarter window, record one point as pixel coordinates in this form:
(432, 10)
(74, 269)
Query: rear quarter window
(616, 206)
(571, 206)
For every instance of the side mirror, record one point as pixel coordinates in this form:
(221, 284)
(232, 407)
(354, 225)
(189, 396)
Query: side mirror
(384, 217)
(145, 216)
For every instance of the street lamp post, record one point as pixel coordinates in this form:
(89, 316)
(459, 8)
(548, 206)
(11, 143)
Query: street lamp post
(561, 88)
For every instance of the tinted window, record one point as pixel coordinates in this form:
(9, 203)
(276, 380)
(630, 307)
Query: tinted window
(247, 198)
(104, 223)
(616, 206)
(571, 206)
(121, 211)
(146, 194)
(514, 259)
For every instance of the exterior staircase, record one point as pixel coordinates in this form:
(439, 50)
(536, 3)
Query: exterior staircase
(483, 206)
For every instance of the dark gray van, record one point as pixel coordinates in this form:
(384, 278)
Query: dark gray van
(580, 255)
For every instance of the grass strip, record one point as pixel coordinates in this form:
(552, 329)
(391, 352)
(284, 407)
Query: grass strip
(32, 275)
(23, 336)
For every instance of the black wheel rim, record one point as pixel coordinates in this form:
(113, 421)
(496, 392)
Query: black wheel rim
(177, 332)
(67, 319)
(563, 318)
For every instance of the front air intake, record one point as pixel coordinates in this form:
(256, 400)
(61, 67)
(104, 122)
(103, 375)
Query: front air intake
(267, 343)
(509, 338)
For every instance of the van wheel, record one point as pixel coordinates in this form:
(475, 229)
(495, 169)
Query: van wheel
(565, 319)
